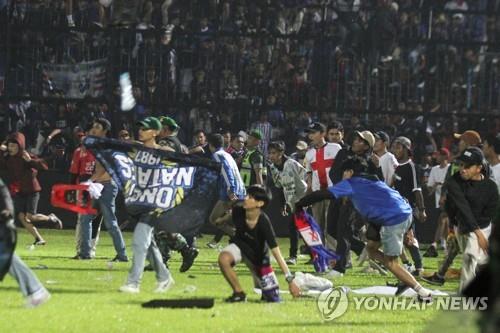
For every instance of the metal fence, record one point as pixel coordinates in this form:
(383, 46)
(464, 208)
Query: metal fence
(436, 63)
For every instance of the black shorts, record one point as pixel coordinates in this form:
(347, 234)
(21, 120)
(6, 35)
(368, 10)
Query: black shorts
(26, 202)
(373, 232)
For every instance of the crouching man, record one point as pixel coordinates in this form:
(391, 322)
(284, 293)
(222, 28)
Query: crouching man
(253, 238)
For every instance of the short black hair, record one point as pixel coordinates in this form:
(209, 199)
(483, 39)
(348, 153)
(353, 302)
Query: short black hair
(357, 164)
(277, 145)
(335, 125)
(259, 193)
(216, 140)
(198, 132)
(106, 125)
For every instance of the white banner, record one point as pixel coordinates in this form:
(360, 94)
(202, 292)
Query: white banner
(85, 79)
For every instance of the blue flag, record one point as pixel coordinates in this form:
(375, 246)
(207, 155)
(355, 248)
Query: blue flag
(171, 191)
(311, 233)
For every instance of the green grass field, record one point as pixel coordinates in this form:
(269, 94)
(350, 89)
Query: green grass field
(85, 298)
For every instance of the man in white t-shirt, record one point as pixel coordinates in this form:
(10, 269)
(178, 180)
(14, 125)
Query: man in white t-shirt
(491, 150)
(319, 160)
(383, 158)
(434, 184)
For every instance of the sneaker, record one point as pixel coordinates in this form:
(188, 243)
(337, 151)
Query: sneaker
(39, 242)
(401, 288)
(431, 252)
(434, 279)
(129, 288)
(237, 298)
(188, 258)
(164, 286)
(37, 298)
(291, 261)
(212, 245)
(56, 221)
(119, 259)
(79, 257)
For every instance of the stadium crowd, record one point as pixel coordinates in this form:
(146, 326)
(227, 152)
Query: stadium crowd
(244, 88)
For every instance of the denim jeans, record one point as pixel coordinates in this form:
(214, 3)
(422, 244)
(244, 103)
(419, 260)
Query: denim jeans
(144, 246)
(106, 206)
(27, 280)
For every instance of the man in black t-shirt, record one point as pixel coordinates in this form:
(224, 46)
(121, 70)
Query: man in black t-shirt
(406, 182)
(253, 238)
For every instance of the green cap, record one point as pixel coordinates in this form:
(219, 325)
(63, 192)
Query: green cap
(170, 122)
(150, 123)
(256, 134)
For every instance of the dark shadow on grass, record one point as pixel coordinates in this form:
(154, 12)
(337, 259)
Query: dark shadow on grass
(33, 257)
(73, 291)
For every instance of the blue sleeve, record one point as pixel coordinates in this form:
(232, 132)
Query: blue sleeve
(228, 174)
(341, 189)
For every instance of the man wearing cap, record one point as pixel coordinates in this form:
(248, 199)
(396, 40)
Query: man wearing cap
(467, 139)
(105, 202)
(143, 243)
(319, 161)
(172, 241)
(288, 175)
(341, 213)
(168, 135)
(472, 199)
(384, 158)
(406, 183)
(434, 184)
(253, 169)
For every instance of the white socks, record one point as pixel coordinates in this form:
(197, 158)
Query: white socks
(421, 291)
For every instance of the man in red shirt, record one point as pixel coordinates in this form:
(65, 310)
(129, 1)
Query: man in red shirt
(81, 169)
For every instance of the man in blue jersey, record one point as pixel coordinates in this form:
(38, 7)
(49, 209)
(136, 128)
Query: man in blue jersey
(231, 186)
(389, 216)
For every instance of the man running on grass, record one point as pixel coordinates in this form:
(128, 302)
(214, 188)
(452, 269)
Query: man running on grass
(253, 238)
(388, 213)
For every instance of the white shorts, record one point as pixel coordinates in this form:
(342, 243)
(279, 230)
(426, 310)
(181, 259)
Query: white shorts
(235, 251)
(238, 257)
